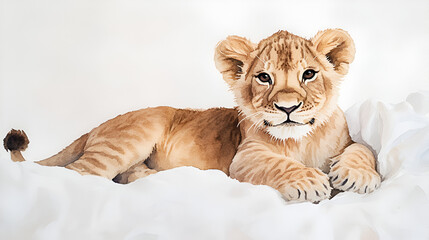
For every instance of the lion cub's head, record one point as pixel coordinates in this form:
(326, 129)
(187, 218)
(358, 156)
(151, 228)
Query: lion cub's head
(286, 85)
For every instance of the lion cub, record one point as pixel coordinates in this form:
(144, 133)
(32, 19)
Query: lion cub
(287, 131)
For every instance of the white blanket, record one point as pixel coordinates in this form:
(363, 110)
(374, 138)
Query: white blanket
(38, 202)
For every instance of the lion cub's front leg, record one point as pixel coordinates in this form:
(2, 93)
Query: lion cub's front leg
(354, 170)
(292, 179)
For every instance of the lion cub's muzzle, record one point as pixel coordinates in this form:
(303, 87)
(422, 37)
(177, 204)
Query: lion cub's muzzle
(288, 110)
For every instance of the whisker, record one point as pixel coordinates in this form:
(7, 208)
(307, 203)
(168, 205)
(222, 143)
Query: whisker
(250, 128)
(248, 117)
(260, 59)
(315, 56)
(268, 111)
(253, 125)
(259, 125)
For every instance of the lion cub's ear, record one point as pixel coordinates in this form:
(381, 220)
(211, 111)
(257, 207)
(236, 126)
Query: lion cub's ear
(337, 46)
(230, 55)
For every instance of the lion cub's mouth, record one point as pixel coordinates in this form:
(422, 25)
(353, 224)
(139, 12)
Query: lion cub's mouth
(288, 123)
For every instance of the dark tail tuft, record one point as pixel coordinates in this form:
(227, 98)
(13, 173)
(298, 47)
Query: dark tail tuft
(16, 140)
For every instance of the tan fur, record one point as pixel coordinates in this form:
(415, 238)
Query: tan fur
(252, 143)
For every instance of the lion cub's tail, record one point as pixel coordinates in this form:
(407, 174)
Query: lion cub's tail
(17, 141)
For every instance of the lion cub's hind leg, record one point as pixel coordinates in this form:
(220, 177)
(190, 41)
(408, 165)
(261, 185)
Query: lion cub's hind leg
(122, 142)
(354, 170)
(137, 171)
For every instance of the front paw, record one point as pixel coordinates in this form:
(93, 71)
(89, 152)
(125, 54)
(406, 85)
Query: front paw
(306, 184)
(352, 177)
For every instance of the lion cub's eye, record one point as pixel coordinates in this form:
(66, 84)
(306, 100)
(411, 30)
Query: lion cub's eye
(264, 79)
(308, 74)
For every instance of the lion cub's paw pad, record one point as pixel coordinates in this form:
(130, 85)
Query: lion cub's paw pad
(359, 180)
(309, 184)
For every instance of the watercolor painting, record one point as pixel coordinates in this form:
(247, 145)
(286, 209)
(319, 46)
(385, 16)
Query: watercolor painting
(228, 120)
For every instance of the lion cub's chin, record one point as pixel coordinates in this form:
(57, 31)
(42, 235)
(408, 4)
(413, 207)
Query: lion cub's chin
(285, 132)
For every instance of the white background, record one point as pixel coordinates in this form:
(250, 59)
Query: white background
(68, 65)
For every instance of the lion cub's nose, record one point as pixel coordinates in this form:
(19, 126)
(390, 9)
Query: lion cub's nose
(287, 110)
